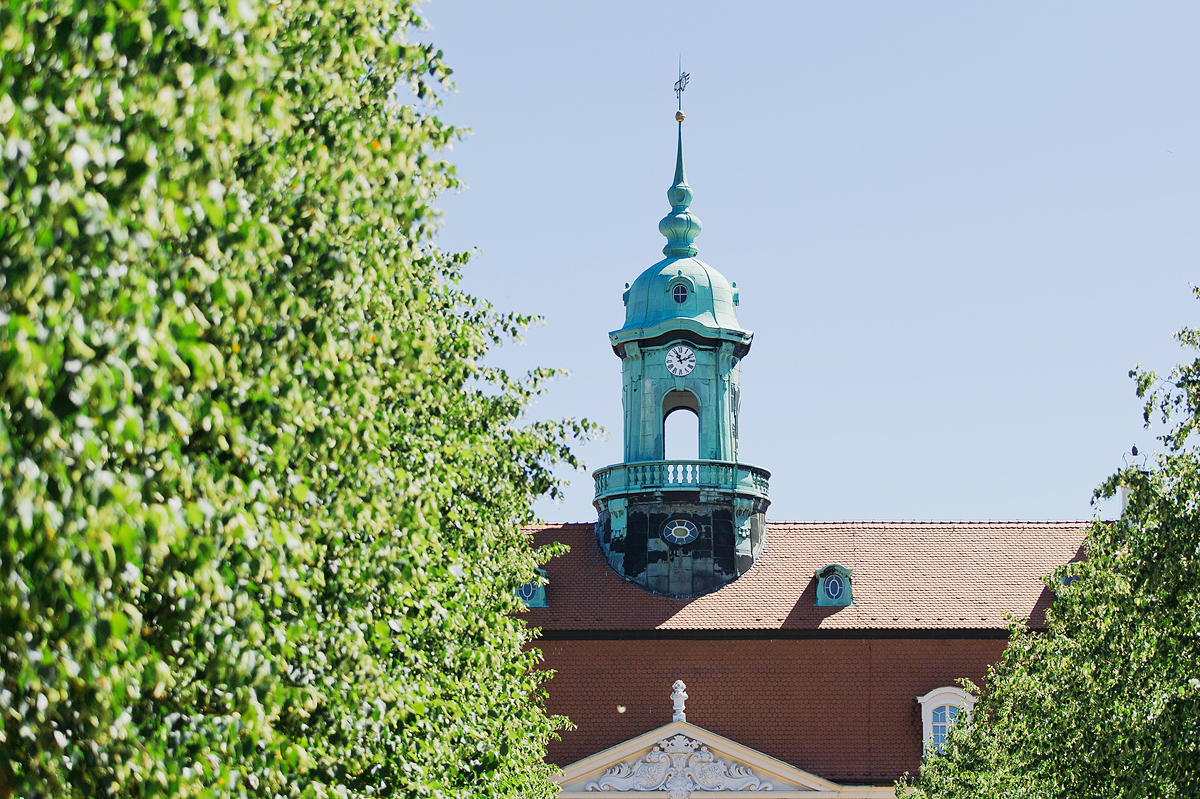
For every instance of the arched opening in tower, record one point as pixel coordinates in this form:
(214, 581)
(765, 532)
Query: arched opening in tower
(681, 435)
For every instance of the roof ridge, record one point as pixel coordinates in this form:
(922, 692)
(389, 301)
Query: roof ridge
(543, 525)
(1043, 522)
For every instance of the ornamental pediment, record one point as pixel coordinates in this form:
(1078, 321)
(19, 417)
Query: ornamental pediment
(682, 761)
(680, 766)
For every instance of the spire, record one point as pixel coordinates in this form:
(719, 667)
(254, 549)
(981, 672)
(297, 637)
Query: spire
(680, 193)
(681, 227)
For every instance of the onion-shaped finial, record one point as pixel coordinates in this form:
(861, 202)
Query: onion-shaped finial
(680, 226)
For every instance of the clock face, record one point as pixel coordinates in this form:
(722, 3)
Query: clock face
(681, 360)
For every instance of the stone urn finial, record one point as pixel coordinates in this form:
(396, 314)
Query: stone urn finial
(678, 697)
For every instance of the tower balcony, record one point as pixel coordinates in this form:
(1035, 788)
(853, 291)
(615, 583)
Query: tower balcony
(710, 477)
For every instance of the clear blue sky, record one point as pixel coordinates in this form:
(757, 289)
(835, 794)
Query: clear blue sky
(955, 227)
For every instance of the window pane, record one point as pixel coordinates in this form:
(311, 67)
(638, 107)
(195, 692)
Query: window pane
(943, 718)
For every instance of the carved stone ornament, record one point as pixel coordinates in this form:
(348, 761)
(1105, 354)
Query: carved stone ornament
(678, 697)
(618, 517)
(679, 766)
(743, 509)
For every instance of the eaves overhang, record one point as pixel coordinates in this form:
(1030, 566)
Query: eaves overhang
(674, 329)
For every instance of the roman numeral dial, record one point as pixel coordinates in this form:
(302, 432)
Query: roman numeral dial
(681, 360)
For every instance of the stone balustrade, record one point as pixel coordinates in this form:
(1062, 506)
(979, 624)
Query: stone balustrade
(720, 476)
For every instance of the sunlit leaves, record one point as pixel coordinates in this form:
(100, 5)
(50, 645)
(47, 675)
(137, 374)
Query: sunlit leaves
(260, 501)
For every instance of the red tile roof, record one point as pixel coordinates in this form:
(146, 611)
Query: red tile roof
(907, 575)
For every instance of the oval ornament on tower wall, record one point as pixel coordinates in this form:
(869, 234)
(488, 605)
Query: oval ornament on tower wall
(679, 531)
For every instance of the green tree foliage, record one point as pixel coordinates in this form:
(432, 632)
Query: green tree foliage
(1105, 702)
(260, 500)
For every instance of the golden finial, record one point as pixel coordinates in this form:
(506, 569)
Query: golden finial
(678, 116)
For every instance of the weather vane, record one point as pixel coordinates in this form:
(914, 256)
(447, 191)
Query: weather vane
(680, 85)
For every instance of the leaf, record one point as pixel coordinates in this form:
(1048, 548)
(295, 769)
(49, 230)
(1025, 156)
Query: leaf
(118, 625)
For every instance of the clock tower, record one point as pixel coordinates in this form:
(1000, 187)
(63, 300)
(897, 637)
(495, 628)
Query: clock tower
(681, 528)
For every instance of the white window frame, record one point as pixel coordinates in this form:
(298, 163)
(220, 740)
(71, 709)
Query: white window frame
(948, 695)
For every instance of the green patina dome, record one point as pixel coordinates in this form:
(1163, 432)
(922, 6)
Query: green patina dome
(652, 309)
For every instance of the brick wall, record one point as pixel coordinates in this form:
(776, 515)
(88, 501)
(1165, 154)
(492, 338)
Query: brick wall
(843, 709)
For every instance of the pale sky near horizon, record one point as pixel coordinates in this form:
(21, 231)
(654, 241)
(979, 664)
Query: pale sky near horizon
(954, 227)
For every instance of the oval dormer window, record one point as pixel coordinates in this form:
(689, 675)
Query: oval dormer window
(533, 593)
(679, 293)
(834, 588)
